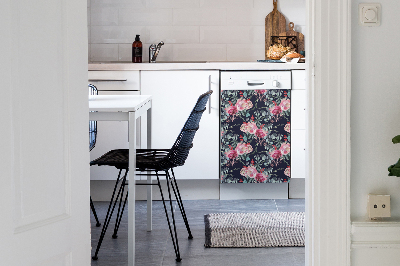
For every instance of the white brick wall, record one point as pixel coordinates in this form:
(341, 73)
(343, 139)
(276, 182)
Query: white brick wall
(192, 30)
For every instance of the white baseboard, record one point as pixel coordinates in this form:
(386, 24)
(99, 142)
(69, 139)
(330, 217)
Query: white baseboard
(375, 243)
(101, 190)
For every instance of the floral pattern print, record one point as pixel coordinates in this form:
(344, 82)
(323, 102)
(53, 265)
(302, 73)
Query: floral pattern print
(255, 136)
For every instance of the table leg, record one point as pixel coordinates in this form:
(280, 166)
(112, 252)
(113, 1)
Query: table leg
(149, 178)
(132, 190)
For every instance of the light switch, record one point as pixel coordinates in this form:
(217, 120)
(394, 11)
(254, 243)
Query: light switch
(369, 14)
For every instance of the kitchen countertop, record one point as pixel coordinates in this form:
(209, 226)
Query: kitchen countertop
(195, 66)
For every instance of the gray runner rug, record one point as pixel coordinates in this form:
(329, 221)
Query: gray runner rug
(270, 229)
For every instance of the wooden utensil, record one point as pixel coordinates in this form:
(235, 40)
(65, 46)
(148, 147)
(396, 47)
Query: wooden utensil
(299, 36)
(275, 23)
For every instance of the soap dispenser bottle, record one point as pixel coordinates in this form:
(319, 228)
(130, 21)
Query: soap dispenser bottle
(137, 50)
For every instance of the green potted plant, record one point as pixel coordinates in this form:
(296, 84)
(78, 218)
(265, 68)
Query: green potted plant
(394, 170)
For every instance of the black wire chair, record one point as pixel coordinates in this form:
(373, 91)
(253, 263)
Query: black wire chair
(92, 143)
(149, 161)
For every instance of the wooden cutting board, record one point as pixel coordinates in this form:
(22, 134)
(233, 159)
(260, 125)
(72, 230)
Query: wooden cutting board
(275, 23)
(299, 36)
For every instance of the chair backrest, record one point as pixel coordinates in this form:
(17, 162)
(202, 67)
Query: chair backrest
(180, 150)
(92, 124)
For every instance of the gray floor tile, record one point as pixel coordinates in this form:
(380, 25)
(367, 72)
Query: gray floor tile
(155, 248)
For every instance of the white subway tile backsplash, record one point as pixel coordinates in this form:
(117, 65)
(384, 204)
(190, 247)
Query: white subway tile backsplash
(199, 16)
(104, 52)
(115, 34)
(258, 35)
(172, 3)
(214, 3)
(267, 6)
(239, 4)
(226, 3)
(145, 17)
(199, 52)
(246, 17)
(246, 53)
(173, 34)
(294, 10)
(125, 52)
(192, 30)
(119, 3)
(105, 16)
(224, 34)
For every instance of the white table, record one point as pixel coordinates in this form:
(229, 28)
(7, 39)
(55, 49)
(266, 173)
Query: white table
(127, 108)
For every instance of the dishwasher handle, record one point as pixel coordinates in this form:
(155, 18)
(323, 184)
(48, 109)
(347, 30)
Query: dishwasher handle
(249, 83)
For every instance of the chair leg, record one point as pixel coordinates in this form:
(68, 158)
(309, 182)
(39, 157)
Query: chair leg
(110, 211)
(174, 239)
(94, 213)
(180, 203)
(120, 211)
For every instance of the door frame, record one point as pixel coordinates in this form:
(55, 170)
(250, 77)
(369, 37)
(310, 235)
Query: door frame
(328, 46)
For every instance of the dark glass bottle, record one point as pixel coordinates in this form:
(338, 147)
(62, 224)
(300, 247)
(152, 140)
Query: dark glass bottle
(137, 50)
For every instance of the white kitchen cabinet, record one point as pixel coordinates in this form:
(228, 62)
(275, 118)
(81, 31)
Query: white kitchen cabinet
(174, 96)
(298, 124)
(112, 134)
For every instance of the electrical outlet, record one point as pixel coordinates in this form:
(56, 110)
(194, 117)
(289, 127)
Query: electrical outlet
(378, 206)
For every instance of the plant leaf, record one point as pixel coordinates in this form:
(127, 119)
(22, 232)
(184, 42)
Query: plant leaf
(396, 139)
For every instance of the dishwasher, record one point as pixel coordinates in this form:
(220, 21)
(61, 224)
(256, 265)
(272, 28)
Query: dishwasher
(255, 116)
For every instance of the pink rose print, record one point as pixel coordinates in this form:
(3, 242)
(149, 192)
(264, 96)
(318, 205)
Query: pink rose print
(261, 133)
(287, 171)
(243, 148)
(276, 110)
(251, 172)
(243, 171)
(241, 104)
(231, 110)
(285, 148)
(260, 177)
(232, 154)
(249, 104)
(243, 127)
(261, 91)
(285, 104)
(287, 127)
(275, 154)
(251, 127)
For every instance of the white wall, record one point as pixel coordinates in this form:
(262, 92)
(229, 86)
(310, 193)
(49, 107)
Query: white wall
(193, 30)
(375, 108)
(375, 120)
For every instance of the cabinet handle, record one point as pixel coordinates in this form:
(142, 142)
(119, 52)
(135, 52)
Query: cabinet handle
(100, 80)
(254, 83)
(209, 99)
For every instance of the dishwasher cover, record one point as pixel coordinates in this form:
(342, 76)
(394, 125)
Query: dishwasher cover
(255, 136)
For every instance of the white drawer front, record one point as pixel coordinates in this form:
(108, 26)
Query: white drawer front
(115, 80)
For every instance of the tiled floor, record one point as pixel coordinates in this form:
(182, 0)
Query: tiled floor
(155, 248)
